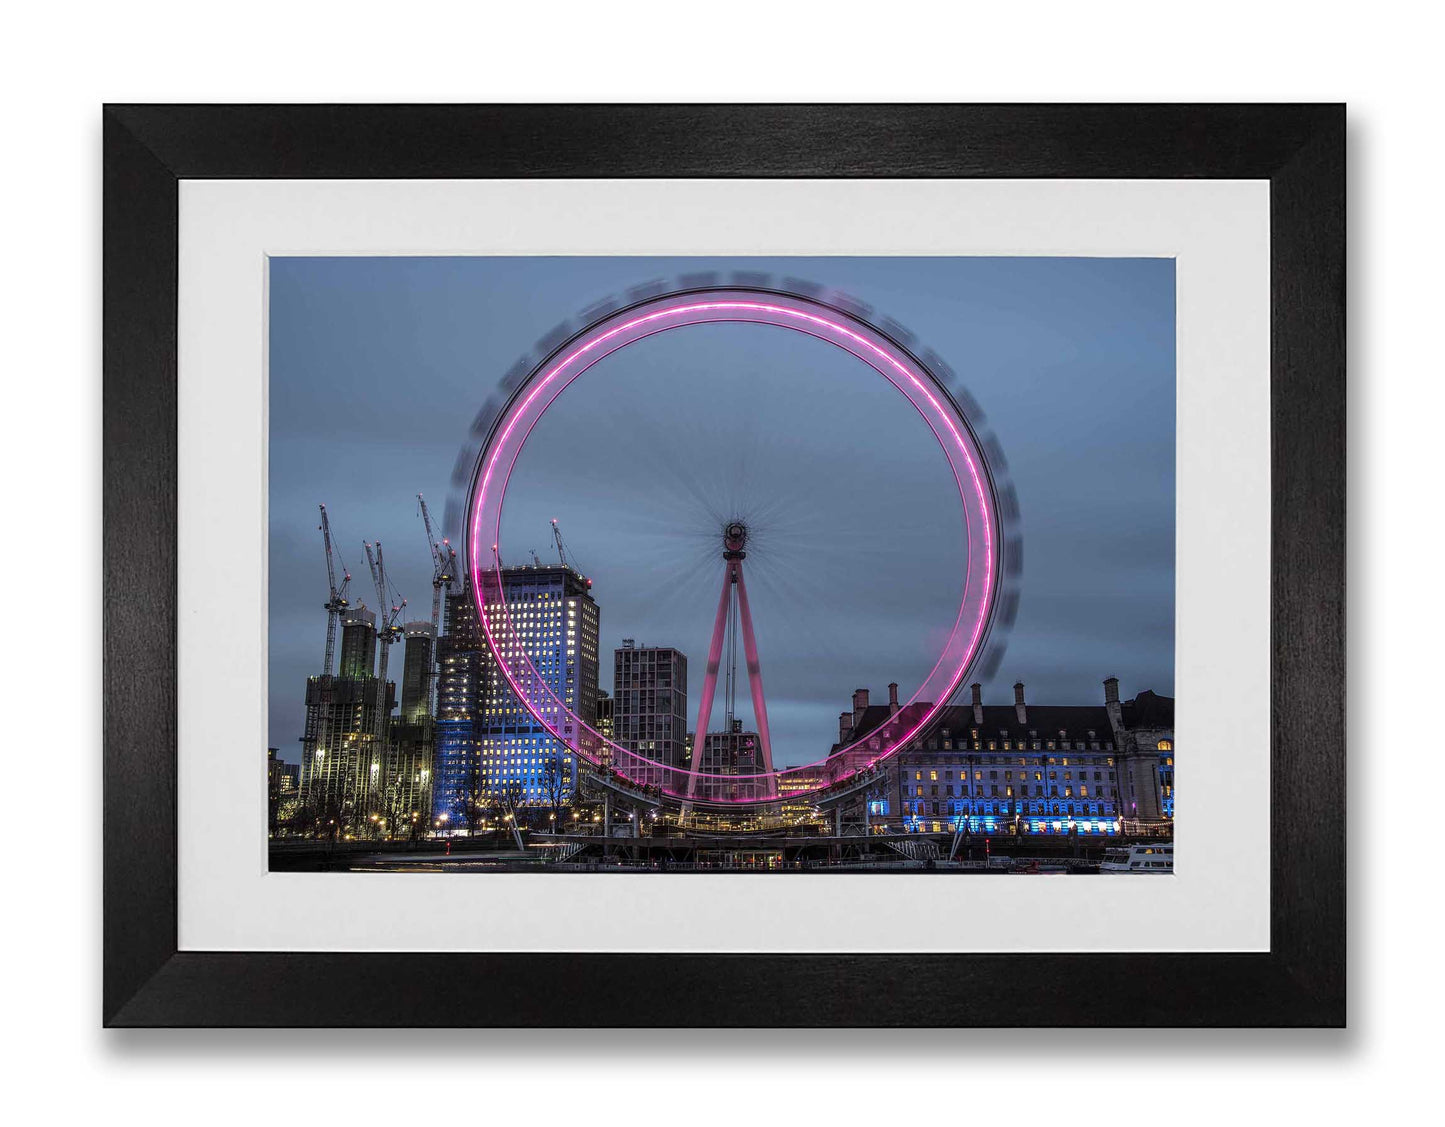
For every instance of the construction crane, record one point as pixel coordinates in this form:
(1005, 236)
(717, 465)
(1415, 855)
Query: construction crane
(337, 602)
(562, 549)
(443, 564)
(387, 632)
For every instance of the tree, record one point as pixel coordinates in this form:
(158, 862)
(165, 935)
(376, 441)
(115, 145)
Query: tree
(398, 812)
(322, 817)
(510, 799)
(554, 786)
(512, 796)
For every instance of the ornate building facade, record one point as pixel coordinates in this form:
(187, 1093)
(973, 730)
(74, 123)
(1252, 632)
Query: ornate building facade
(1049, 769)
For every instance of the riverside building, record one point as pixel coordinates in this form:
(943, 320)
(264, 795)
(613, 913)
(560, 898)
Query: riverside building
(1047, 769)
(490, 749)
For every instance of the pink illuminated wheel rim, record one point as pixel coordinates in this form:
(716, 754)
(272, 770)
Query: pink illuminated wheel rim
(982, 532)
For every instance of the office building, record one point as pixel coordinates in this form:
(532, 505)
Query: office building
(649, 709)
(491, 751)
(457, 792)
(604, 724)
(733, 752)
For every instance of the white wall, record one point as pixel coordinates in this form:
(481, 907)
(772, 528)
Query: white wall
(62, 61)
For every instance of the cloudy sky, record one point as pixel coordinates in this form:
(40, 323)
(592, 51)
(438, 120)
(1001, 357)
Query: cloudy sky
(378, 365)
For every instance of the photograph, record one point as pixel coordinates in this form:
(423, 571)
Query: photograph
(619, 564)
(570, 536)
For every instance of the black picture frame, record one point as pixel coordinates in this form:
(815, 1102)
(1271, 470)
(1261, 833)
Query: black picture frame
(1299, 149)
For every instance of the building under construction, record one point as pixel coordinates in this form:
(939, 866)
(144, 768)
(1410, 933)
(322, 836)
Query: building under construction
(343, 748)
(361, 768)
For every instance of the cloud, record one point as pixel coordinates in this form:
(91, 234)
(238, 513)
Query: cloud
(377, 366)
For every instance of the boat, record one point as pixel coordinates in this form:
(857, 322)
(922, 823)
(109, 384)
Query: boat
(1147, 857)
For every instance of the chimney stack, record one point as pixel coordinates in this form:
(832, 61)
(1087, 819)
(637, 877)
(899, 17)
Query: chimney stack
(845, 725)
(977, 703)
(1019, 709)
(1111, 706)
(892, 697)
(860, 705)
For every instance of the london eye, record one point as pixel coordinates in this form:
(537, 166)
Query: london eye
(730, 768)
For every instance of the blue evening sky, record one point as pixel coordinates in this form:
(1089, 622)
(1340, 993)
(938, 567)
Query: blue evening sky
(378, 364)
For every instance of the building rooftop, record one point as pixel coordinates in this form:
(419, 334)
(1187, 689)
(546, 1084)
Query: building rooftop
(1000, 721)
(1149, 710)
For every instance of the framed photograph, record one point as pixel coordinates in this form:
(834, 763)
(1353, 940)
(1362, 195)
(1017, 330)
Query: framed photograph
(724, 565)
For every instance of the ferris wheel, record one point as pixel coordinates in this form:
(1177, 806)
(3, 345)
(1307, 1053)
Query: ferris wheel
(733, 769)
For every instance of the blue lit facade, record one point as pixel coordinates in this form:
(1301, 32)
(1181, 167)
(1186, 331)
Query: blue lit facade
(1035, 769)
(490, 748)
(1166, 776)
(456, 767)
(1074, 789)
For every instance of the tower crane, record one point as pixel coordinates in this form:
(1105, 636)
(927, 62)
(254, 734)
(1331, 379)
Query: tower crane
(443, 579)
(443, 563)
(337, 602)
(562, 549)
(387, 632)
